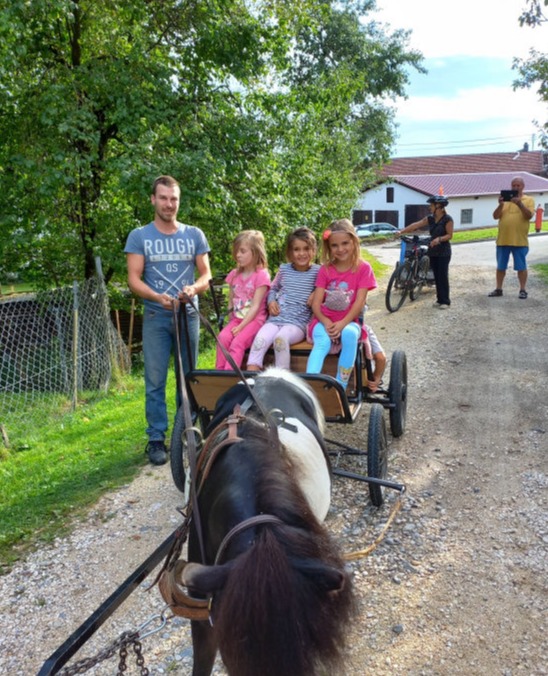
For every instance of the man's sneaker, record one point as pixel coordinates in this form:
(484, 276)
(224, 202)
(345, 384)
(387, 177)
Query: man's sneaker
(157, 452)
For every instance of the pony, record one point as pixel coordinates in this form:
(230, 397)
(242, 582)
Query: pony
(280, 595)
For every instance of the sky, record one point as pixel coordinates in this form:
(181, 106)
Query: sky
(465, 103)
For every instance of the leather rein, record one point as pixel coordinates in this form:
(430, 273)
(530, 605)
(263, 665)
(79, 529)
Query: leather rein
(169, 578)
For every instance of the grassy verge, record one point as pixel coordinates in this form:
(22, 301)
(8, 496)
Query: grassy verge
(60, 464)
(542, 270)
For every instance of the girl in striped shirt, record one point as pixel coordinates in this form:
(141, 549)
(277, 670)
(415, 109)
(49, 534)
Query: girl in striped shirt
(288, 302)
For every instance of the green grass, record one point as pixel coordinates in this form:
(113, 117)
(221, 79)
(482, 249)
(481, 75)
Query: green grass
(7, 290)
(378, 268)
(474, 235)
(59, 463)
(542, 270)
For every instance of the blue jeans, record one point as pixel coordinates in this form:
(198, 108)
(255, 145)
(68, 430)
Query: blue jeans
(159, 343)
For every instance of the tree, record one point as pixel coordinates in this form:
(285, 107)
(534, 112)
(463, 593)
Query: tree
(534, 70)
(268, 113)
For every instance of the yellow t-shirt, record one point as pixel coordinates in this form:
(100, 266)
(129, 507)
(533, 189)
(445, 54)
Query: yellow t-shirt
(513, 226)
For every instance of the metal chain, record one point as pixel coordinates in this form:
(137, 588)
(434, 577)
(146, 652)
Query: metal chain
(85, 664)
(139, 659)
(120, 645)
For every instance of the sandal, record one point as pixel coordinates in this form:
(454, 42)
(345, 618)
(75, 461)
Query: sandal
(523, 294)
(495, 293)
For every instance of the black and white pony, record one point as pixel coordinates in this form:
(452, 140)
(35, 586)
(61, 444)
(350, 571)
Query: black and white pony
(281, 598)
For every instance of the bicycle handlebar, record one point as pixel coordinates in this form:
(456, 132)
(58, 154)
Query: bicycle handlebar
(416, 239)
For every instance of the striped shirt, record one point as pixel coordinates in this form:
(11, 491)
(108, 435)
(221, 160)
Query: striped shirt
(291, 289)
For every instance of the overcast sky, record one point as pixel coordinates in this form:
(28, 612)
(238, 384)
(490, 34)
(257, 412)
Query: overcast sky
(465, 103)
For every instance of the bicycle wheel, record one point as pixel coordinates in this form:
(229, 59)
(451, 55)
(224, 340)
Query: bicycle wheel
(418, 281)
(398, 286)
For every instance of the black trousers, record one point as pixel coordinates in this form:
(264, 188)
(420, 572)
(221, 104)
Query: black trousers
(440, 268)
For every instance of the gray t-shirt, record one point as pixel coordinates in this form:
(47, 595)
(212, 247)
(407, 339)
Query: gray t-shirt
(169, 259)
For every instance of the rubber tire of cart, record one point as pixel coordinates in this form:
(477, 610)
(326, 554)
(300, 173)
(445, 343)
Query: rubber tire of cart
(178, 455)
(377, 452)
(397, 393)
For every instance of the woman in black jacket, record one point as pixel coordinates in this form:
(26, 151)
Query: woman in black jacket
(440, 225)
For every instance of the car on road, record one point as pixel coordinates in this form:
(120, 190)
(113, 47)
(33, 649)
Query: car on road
(372, 229)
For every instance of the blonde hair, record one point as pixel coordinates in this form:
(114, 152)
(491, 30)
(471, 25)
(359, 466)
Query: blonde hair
(341, 225)
(304, 235)
(255, 240)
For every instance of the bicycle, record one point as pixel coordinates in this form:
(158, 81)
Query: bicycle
(411, 272)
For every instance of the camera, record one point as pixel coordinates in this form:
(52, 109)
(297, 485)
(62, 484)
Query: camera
(508, 194)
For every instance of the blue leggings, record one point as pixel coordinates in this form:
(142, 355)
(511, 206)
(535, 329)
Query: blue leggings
(322, 345)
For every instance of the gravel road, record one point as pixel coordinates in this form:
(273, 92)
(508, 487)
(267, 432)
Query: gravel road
(458, 586)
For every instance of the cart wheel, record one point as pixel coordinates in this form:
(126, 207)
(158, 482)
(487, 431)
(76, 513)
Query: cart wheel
(179, 454)
(397, 393)
(377, 452)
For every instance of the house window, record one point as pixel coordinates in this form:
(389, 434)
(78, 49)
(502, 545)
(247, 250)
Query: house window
(389, 195)
(466, 216)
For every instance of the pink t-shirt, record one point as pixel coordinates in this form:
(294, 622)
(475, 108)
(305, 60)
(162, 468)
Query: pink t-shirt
(243, 289)
(341, 288)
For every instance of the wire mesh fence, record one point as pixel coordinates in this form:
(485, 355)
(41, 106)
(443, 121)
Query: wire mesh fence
(57, 342)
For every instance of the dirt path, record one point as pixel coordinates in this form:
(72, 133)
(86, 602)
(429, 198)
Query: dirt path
(469, 592)
(459, 584)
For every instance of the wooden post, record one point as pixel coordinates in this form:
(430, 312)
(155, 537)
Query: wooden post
(5, 437)
(131, 320)
(75, 346)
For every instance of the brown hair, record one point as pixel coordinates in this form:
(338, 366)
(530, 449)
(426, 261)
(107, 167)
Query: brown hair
(255, 239)
(166, 181)
(341, 225)
(304, 235)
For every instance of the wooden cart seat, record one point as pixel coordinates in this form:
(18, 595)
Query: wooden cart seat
(206, 386)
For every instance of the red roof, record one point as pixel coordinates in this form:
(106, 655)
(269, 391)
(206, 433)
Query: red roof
(467, 185)
(533, 162)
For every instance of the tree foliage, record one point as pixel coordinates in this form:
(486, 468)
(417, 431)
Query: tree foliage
(269, 113)
(533, 71)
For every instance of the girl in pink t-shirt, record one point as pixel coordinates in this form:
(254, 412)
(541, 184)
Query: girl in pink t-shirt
(339, 298)
(249, 283)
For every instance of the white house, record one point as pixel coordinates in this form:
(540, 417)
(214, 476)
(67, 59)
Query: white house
(472, 197)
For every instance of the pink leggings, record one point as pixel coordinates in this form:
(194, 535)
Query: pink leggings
(235, 345)
(282, 336)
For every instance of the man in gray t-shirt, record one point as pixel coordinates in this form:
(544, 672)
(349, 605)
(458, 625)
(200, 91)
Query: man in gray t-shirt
(162, 260)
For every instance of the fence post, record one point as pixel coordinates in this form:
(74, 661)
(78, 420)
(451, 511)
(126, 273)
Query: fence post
(112, 343)
(74, 345)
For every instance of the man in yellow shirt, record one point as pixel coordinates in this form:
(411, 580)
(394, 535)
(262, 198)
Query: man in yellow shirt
(513, 216)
